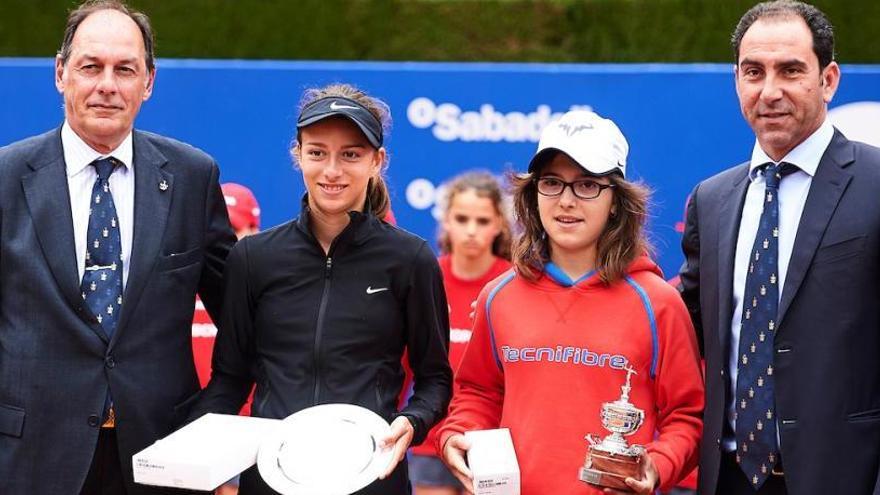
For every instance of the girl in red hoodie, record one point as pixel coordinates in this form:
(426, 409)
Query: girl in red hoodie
(474, 238)
(553, 337)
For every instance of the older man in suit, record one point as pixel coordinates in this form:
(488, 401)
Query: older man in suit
(781, 277)
(106, 235)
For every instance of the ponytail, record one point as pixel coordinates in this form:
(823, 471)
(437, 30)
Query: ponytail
(378, 199)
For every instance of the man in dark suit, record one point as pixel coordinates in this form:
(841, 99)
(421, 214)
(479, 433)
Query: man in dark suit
(781, 278)
(106, 235)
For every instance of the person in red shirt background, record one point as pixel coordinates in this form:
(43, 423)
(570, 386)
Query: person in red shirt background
(244, 216)
(474, 237)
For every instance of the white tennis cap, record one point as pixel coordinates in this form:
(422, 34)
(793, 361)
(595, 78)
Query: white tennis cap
(595, 143)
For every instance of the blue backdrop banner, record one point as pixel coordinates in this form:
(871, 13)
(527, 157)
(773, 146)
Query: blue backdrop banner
(683, 122)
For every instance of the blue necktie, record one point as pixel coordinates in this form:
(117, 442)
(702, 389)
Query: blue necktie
(756, 441)
(102, 280)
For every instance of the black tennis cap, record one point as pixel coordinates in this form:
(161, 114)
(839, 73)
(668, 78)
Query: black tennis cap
(335, 105)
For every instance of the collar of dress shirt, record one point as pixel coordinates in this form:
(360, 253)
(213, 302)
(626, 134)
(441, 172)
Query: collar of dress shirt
(805, 155)
(78, 155)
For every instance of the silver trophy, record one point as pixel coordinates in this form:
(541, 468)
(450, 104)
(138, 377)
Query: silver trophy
(610, 461)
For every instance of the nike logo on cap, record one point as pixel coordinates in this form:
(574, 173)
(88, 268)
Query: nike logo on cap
(371, 290)
(337, 106)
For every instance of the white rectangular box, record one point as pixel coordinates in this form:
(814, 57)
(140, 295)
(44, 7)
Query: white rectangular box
(492, 460)
(203, 454)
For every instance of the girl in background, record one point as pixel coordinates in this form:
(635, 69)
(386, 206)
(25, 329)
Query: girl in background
(474, 238)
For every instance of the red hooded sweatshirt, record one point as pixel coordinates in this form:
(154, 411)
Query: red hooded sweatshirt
(545, 355)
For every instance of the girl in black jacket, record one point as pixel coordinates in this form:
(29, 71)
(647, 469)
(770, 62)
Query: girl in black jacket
(321, 309)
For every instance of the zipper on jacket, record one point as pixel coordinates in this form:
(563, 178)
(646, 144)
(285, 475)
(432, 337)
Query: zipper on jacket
(322, 307)
(319, 329)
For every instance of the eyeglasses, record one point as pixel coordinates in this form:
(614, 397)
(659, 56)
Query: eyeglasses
(583, 189)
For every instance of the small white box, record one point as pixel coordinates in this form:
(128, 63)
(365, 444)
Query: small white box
(203, 454)
(492, 460)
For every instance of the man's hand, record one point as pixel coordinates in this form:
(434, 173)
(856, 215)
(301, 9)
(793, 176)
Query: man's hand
(399, 439)
(649, 482)
(453, 455)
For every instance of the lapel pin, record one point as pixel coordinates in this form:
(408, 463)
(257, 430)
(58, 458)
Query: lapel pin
(163, 186)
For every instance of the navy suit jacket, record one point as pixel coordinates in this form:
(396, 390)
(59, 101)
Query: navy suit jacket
(827, 343)
(56, 363)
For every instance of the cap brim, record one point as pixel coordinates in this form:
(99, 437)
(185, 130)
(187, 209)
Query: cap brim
(373, 139)
(542, 157)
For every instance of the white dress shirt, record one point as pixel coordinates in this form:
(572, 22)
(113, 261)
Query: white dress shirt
(81, 176)
(793, 190)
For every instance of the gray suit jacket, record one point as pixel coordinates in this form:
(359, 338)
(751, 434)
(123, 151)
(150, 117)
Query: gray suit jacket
(56, 364)
(827, 361)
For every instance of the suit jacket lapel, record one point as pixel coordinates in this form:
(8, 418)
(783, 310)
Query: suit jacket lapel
(48, 199)
(730, 213)
(826, 190)
(153, 188)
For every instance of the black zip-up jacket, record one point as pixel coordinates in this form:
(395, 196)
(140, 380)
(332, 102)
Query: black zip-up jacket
(313, 328)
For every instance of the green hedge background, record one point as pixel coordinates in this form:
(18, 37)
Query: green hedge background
(440, 30)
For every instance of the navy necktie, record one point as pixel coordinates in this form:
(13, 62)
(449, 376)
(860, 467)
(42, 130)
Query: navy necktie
(756, 440)
(102, 280)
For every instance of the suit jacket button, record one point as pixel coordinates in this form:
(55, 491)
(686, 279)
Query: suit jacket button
(94, 420)
(718, 442)
(722, 371)
(110, 362)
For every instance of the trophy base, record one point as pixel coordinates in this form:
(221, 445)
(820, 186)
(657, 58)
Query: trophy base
(609, 470)
(604, 480)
